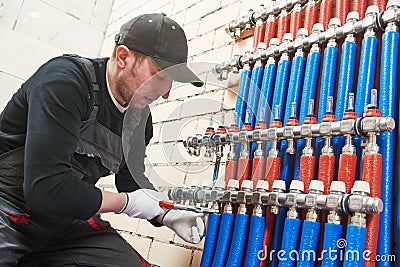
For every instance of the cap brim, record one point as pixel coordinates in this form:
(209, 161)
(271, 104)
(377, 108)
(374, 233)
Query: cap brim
(177, 72)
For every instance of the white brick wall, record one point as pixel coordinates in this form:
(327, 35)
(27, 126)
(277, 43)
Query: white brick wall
(31, 32)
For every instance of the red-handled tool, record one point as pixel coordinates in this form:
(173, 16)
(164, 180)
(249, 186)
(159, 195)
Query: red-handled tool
(175, 206)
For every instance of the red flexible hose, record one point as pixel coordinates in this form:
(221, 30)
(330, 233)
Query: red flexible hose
(380, 3)
(259, 32)
(326, 171)
(258, 171)
(283, 26)
(310, 17)
(342, 9)
(325, 13)
(230, 170)
(269, 227)
(372, 173)
(272, 170)
(360, 6)
(295, 22)
(243, 169)
(347, 170)
(270, 31)
(307, 170)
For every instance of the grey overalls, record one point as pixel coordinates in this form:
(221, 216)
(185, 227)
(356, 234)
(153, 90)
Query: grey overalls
(29, 239)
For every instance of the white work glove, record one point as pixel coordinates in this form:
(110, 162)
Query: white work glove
(188, 225)
(143, 204)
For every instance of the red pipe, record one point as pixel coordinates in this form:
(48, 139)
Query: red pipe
(347, 170)
(360, 6)
(283, 25)
(326, 170)
(296, 19)
(270, 29)
(372, 173)
(258, 171)
(244, 169)
(259, 32)
(325, 12)
(310, 17)
(380, 3)
(273, 170)
(307, 170)
(230, 170)
(342, 9)
(269, 227)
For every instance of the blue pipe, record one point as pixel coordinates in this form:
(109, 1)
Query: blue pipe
(398, 191)
(309, 244)
(210, 240)
(254, 93)
(345, 86)
(355, 238)
(295, 84)
(267, 91)
(281, 83)
(290, 242)
(243, 92)
(366, 79)
(327, 88)
(239, 240)
(255, 244)
(309, 89)
(387, 104)
(224, 239)
(332, 234)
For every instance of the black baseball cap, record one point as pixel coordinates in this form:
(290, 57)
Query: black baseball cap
(164, 41)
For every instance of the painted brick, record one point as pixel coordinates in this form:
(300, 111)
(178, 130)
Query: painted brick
(123, 222)
(167, 9)
(166, 111)
(81, 10)
(196, 258)
(9, 13)
(182, 5)
(149, 6)
(10, 85)
(170, 131)
(182, 90)
(118, 3)
(159, 153)
(200, 10)
(221, 38)
(197, 46)
(179, 240)
(202, 104)
(215, 56)
(113, 28)
(191, 29)
(229, 2)
(218, 18)
(160, 233)
(243, 45)
(166, 255)
(180, 19)
(167, 176)
(230, 97)
(201, 173)
(140, 244)
(156, 133)
(101, 15)
(250, 4)
(38, 53)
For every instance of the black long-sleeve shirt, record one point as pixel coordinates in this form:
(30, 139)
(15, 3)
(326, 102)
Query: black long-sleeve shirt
(45, 115)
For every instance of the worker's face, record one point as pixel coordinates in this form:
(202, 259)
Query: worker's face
(141, 82)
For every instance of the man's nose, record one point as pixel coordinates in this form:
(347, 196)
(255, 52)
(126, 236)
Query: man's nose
(166, 95)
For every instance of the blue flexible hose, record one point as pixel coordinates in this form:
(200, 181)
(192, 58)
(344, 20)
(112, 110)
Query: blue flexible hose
(295, 85)
(255, 244)
(327, 88)
(366, 78)
(224, 239)
(280, 91)
(353, 254)
(243, 92)
(210, 240)
(277, 234)
(308, 244)
(309, 89)
(238, 241)
(387, 104)
(290, 242)
(254, 93)
(332, 233)
(345, 86)
(267, 89)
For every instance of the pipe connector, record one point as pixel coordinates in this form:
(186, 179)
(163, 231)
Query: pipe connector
(278, 188)
(302, 34)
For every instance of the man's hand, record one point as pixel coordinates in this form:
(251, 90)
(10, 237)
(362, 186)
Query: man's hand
(188, 225)
(143, 204)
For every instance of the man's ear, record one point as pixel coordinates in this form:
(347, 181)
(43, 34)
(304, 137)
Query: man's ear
(121, 56)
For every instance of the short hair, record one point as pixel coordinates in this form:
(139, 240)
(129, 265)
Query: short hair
(139, 56)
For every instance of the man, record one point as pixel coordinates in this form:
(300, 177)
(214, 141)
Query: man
(61, 132)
